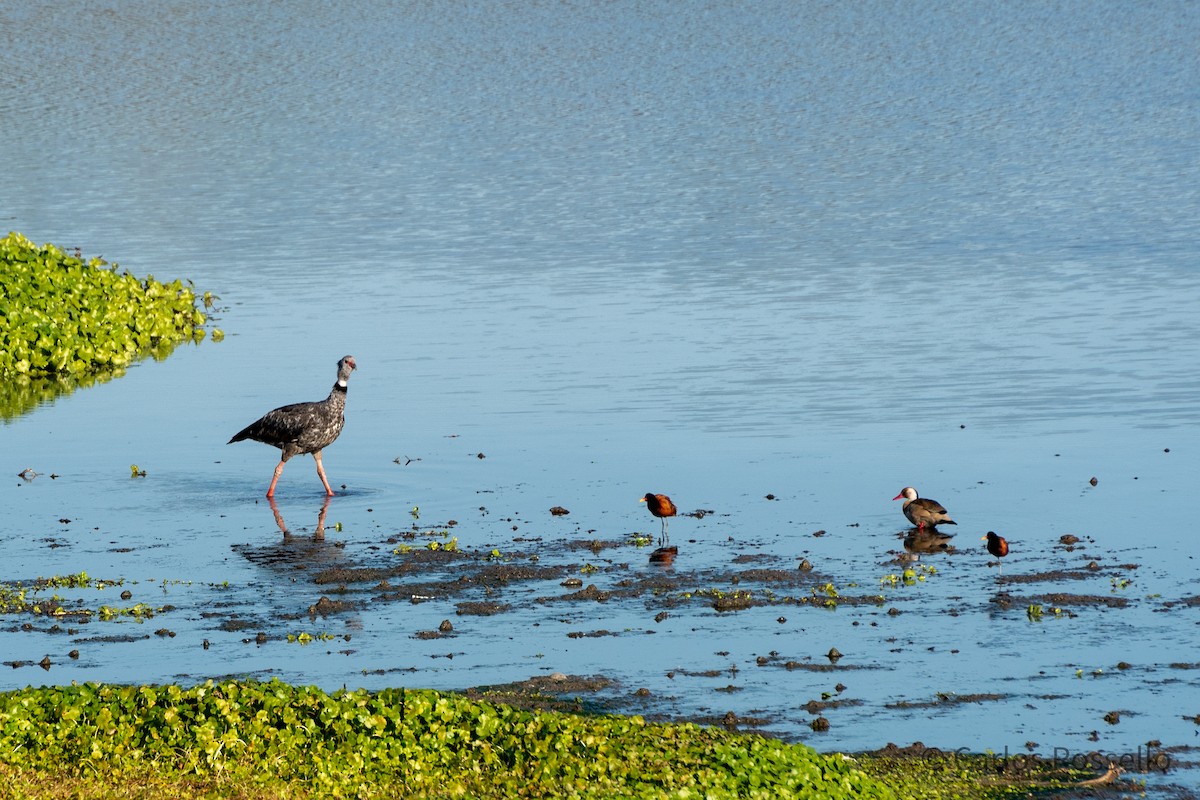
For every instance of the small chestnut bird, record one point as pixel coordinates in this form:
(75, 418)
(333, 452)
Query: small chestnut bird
(303, 427)
(660, 506)
(921, 511)
(996, 545)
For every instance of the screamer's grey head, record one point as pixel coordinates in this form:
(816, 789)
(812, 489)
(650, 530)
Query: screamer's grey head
(345, 367)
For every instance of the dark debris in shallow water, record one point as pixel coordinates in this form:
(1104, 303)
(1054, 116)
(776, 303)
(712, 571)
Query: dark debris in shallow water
(1005, 600)
(555, 692)
(948, 699)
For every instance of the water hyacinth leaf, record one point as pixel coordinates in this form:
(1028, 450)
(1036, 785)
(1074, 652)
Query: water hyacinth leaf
(68, 323)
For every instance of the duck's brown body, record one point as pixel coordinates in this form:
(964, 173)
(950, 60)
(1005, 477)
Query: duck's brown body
(303, 427)
(921, 511)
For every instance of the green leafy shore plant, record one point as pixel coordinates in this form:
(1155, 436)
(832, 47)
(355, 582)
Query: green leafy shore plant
(66, 322)
(254, 739)
(248, 740)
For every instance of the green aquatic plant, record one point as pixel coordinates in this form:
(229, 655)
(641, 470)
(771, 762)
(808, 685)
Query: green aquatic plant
(308, 638)
(13, 599)
(1035, 611)
(911, 576)
(249, 739)
(81, 580)
(18, 599)
(138, 611)
(66, 322)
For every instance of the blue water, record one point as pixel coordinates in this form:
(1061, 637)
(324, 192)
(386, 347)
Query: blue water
(821, 251)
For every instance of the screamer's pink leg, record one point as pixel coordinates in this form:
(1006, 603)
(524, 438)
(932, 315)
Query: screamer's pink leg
(321, 472)
(275, 480)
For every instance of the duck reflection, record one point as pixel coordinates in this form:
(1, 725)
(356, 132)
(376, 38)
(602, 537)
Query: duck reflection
(920, 542)
(664, 556)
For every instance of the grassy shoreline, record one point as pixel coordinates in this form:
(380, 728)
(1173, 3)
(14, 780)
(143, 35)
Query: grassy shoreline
(247, 739)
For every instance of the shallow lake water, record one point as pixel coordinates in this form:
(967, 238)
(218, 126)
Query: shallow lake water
(806, 251)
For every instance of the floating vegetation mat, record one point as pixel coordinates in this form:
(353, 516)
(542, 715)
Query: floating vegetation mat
(66, 322)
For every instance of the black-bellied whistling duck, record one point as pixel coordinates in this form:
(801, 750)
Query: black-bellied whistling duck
(303, 427)
(921, 511)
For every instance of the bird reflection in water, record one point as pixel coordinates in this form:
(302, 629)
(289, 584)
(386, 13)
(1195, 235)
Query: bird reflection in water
(664, 556)
(921, 542)
(318, 534)
(295, 552)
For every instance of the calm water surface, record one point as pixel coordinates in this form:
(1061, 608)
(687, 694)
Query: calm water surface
(820, 251)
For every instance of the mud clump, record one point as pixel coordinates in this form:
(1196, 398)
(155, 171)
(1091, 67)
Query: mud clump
(817, 706)
(1053, 575)
(948, 699)
(752, 558)
(325, 607)
(426, 635)
(914, 750)
(733, 602)
(342, 575)
(481, 609)
(594, 545)
(589, 593)
(543, 692)
(1062, 599)
(504, 574)
(234, 625)
(770, 576)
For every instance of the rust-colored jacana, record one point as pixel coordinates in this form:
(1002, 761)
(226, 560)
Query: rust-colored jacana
(660, 506)
(996, 545)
